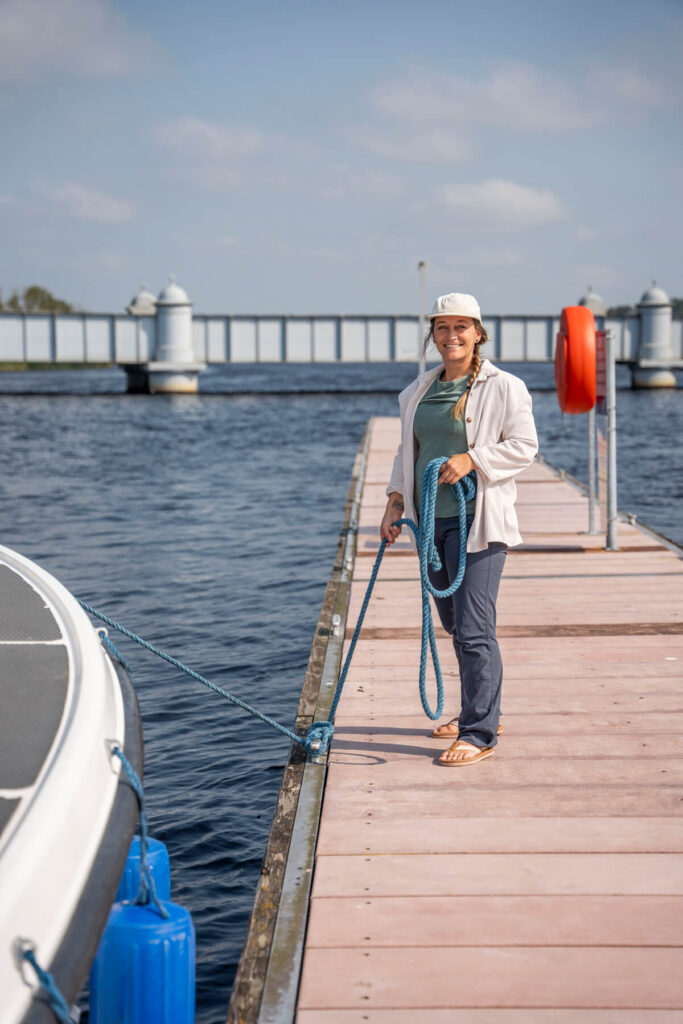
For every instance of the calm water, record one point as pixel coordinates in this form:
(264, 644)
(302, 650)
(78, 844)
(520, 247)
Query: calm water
(208, 524)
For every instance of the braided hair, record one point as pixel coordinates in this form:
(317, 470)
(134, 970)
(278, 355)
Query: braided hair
(458, 410)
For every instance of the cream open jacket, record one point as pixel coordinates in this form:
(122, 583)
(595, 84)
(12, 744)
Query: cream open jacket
(502, 440)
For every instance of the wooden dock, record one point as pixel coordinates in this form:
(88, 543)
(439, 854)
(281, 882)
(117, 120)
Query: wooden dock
(544, 885)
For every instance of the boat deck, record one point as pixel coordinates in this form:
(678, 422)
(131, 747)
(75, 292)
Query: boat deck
(34, 669)
(544, 885)
(65, 823)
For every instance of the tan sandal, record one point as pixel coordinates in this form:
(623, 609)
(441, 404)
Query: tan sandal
(452, 726)
(482, 752)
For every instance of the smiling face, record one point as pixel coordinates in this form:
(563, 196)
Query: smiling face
(455, 338)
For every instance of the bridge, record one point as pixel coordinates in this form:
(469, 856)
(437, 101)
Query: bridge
(163, 345)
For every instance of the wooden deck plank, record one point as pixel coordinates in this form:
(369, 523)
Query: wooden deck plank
(521, 976)
(517, 835)
(544, 886)
(491, 802)
(501, 874)
(340, 922)
(489, 1016)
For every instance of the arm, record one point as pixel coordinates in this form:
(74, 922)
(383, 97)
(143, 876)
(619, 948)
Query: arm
(393, 511)
(396, 479)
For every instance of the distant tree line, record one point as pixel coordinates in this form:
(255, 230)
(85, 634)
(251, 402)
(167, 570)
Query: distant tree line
(34, 299)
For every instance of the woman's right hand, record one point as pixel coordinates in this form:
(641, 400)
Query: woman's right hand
(394, 511)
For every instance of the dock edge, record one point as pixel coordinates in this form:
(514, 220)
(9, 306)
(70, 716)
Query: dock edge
(267, 978)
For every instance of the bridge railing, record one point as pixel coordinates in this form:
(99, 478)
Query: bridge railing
(130, 340)
(76, 338)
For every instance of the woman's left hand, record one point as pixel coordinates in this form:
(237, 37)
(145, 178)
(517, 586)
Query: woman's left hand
(456, 468)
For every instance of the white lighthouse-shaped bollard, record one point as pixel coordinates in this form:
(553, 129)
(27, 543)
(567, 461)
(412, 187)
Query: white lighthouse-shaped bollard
(591, 300)
(175, 369)
(655, 352)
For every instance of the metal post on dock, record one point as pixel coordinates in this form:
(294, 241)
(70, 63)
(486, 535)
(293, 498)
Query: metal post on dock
(421, 330)
(592, 483)
(611, 542)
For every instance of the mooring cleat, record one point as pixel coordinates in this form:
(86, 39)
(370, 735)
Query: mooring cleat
(317, 739)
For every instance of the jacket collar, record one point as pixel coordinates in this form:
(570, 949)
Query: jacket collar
(488, 369)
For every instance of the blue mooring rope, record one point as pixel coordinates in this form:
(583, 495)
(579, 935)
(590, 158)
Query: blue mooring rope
(55, 999)
(146, 895)
(319, 734)
(183, 668)
(463, 490)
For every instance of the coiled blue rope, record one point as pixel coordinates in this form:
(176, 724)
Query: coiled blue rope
(319, 734)
(464, 491)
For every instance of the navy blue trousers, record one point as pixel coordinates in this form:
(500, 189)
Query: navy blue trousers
(469, 615)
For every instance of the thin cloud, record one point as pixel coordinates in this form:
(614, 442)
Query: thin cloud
(47, 39)
(515, 96)
(226, 157)
(585, 233)
(339, 183)
(627, 88)
(83, 203)
(505, 202)
(213, 141)
(216, 155)
(100, 259)
(435, 146)
(430, 117)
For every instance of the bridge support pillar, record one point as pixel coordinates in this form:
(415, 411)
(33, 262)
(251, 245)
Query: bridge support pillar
(655, 353)
(174, 378)
(174, 369)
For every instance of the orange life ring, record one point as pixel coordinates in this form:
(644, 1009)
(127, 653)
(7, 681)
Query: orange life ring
(575, 360)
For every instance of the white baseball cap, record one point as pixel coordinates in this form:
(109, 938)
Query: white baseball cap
(456, 304)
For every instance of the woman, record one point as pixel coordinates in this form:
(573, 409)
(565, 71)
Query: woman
(479, 416)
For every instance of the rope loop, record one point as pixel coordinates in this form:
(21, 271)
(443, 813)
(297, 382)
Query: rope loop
(464, 490)
(113, 651)
(147, 894)
(318, 737)
(56, 1000)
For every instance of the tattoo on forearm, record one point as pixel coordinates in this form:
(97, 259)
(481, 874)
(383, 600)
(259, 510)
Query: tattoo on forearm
(398, 504)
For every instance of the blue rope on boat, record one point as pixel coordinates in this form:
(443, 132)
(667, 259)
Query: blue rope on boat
(147, 893)
(56, 1000)
(319, 734)
(116, 654)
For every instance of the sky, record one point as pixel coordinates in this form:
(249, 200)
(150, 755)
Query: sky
(304, 157)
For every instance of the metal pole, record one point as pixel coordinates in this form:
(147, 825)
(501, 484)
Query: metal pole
(591, 471)
(611, 544)
(420, 341)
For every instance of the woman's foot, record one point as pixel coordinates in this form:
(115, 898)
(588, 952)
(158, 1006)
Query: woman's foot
(462, 753)
(448, 729)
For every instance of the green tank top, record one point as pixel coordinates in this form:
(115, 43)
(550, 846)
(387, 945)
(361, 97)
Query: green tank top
(438, 433)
